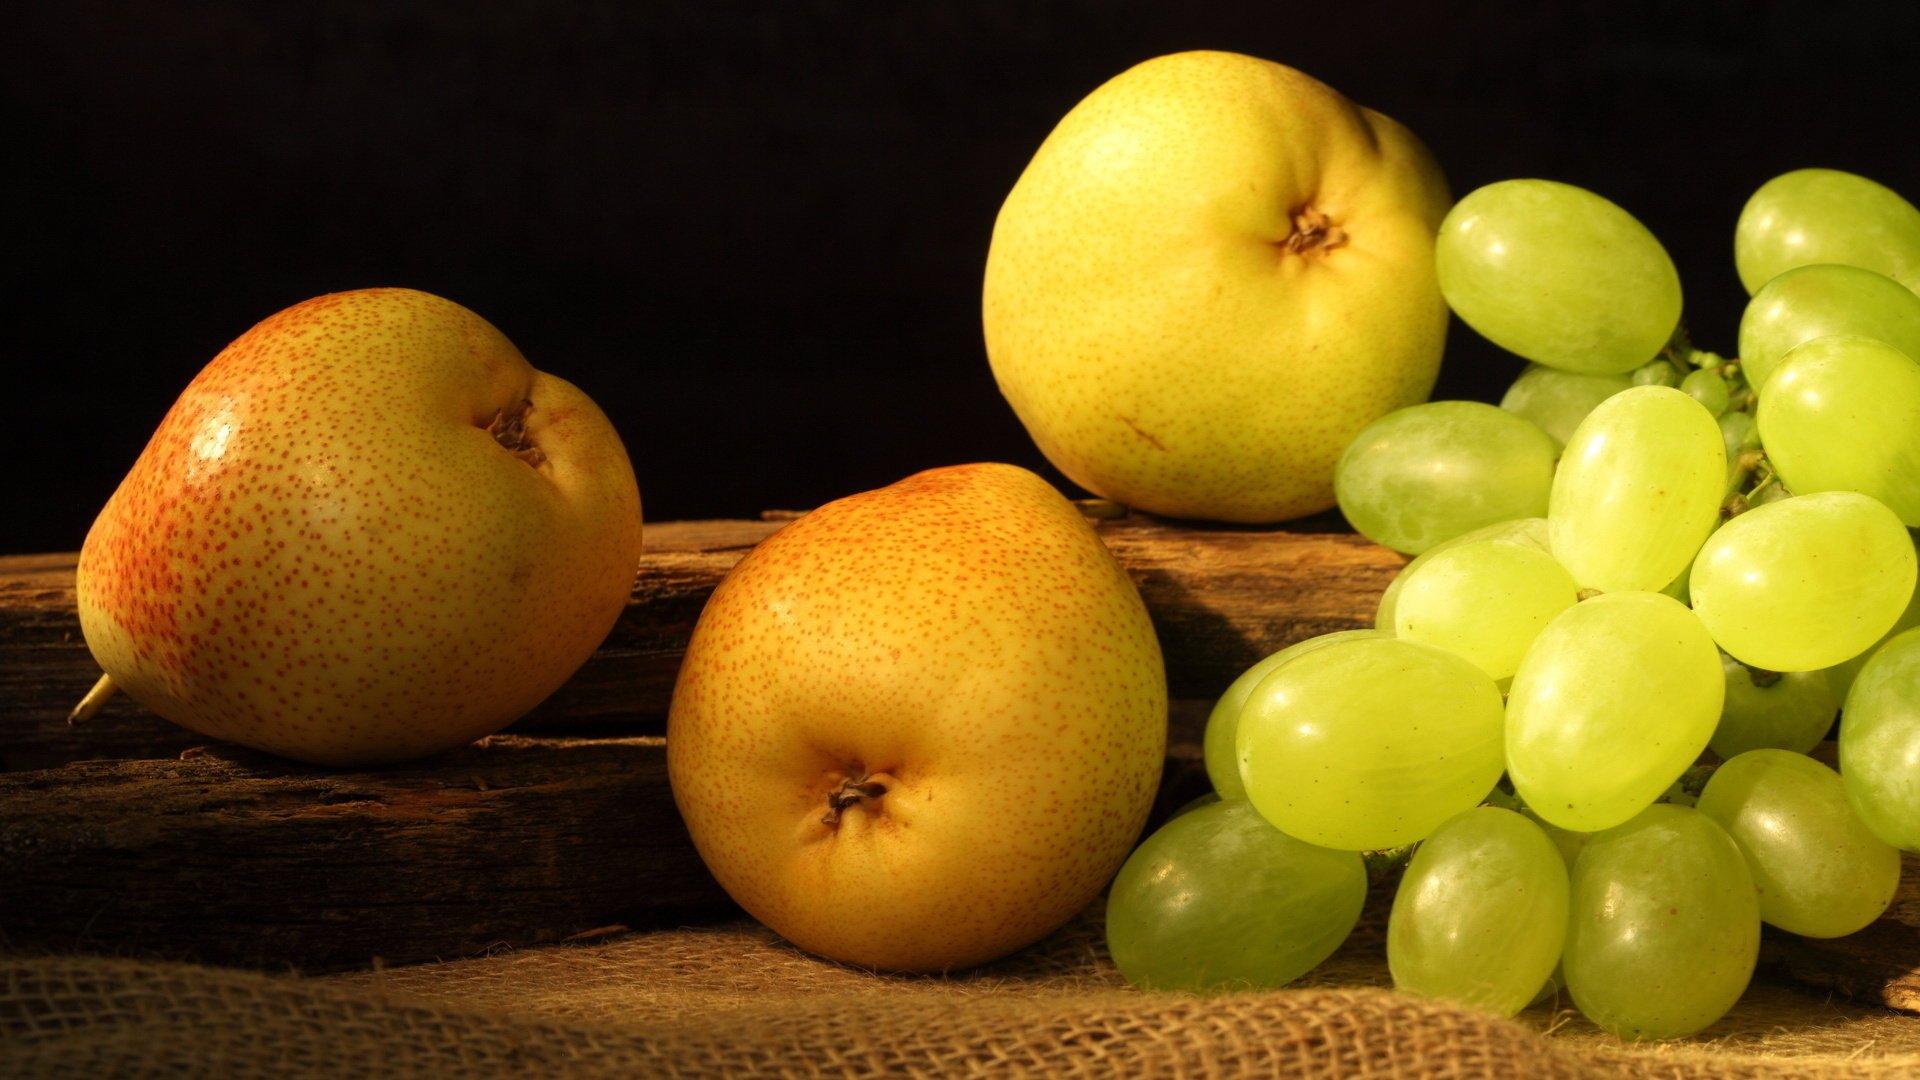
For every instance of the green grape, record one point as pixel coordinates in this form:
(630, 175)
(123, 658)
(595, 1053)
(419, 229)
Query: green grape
(1558, 400)
(1826, 216)
(1665, 925)
(1841, 675)
(1821, 301)
(1880, 742)
(1790, 710)
(1558, 275)
(1843, 414)
(1369, 744)
(1820, 872)
(1481, 913)
(1615, 700)
(1216, 744)
(1707, 388)
(1530, 532)
(1739, 433)
(1485, 602)
(1659, 372)
(1430, 472)
(1638, 490)
(1217, 899)
(1805, 582)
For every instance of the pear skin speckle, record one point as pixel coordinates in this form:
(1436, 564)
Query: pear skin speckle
(324, 553)
(962, 640)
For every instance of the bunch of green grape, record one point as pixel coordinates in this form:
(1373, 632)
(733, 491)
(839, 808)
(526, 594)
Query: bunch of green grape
(1642, 590)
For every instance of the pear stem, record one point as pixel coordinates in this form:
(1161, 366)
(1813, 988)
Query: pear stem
(96, 697)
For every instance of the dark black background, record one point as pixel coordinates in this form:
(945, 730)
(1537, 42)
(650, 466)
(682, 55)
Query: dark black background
(755, 233)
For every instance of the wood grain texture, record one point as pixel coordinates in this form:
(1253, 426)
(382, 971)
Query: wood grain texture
(1220, 599)
(229, 857)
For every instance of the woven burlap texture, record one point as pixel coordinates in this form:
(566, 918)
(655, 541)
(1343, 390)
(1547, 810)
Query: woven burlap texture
(734, 1000)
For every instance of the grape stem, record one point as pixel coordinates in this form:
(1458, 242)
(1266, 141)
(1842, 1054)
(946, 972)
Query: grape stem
(1753, 467)
(1680, 352)
(1384, 864)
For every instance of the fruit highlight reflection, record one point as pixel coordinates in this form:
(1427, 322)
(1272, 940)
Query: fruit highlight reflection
(1725, 557)
(325, 552)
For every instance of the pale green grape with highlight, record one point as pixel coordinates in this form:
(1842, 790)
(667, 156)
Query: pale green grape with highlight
(1485, 602)
(1790, 710)
(1821, 301)
(1843, 414)
(1427, 473)
(1617, 697)
(1217, 900)
(1558, 275)
(1369, 744)
(1806, 582)
(1880, 742)
(1819, 870)
(1217, 742)
(1665, 925)
(1812, 216)
(1529, 532)
(1480, 914)
(1558, 400)
(1638, 489)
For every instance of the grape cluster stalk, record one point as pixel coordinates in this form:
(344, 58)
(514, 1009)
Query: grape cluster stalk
(1643, 589)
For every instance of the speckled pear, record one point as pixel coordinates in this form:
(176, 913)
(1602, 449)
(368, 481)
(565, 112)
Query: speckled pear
(1214, 272)
(367, 531)
(921, 726)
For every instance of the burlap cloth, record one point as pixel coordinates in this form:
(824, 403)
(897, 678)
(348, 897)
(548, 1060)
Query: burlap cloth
(734, 1000)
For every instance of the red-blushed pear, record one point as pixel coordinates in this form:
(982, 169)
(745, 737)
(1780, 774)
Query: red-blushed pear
(367, 531)
(1215, 271)
(921, 727)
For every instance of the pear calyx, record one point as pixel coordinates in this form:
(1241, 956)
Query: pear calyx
(853, 789)
(1313, 230)
(509, 429)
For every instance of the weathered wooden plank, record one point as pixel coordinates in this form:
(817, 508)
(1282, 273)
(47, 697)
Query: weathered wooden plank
(1220, 598)
(230, 857)
(238, 858)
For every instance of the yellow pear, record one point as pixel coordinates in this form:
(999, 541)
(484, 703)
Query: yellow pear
(367, 531)
(1214, 273)
(921, 726)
